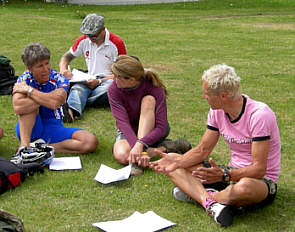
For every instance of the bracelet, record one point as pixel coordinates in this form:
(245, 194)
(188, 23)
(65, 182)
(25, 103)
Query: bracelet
(30, 91)
(144, 144)
(99, 81)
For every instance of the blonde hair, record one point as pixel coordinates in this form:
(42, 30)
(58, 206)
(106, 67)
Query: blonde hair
(130, 66)
(222, 77)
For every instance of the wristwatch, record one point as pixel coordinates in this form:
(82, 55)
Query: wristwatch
(226, 176)
(30, 91)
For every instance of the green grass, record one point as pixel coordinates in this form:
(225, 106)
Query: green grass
(180, 41)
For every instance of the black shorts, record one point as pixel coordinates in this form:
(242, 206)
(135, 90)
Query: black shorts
(272, 186)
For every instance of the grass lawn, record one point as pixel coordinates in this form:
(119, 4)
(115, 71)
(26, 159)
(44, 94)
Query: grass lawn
(180, 41)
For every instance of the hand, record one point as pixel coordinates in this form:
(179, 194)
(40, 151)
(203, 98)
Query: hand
(92, 83)
(143, 160)
(209, 175)
(67, 74)
(21, 87)
(168, 163)
(135, 153)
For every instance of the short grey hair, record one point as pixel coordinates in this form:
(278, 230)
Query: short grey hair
(222, 77)
(33, 53)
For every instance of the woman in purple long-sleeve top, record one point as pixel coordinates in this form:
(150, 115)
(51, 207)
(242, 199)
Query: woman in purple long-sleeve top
(138, 102)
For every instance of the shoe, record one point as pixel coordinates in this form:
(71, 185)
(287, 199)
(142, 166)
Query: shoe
(67, 114)
(136, 170)
(181, 196)
(179, 146)
(222, 214)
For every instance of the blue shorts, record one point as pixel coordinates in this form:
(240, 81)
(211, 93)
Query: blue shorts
(51, 130)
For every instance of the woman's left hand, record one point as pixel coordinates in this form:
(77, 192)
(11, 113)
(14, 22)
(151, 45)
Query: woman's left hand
(135, 152)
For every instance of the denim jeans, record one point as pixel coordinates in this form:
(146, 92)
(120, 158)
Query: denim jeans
(80, 95)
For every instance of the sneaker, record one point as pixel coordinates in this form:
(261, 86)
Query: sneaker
(181, 196)
(179, 146)
(222, 214)
(136, 170)
(67, 114)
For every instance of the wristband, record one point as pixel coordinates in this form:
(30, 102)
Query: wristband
(144, 144)
(30, 91)
(99, 81)
(226, 176)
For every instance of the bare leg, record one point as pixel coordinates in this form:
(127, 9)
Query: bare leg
(121, 151)
(26, 124)
(190, 185)
(82, 142)
(147, 116)
(122, 148)
(246, 192)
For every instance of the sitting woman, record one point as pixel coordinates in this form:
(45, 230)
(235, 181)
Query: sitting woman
(138, 102)
(37, 99)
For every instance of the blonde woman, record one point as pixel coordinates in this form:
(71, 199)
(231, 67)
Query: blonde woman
(138, 102)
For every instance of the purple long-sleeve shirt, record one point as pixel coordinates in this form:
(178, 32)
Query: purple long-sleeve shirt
(125, 105)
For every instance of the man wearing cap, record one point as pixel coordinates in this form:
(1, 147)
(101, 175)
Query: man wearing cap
(99, 48)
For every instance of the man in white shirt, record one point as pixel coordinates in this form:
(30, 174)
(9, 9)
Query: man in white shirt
(100, 48)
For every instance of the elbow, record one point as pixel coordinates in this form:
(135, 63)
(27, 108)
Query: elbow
(17, 110)
(260, 172)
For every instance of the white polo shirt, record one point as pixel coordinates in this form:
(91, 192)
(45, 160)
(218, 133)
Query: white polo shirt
(99, 58)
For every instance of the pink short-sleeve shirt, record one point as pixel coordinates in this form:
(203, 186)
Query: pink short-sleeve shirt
(257, 122)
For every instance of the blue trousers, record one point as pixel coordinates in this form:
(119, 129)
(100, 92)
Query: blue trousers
(80, 95)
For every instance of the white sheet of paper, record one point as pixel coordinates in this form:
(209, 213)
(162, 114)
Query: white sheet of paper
(106, 175)
(79, 76)
(65, 163)
(147, 222)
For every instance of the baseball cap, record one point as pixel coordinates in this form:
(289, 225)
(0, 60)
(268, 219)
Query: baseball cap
(91, 24)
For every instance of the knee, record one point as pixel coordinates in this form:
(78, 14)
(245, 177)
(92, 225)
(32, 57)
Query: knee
(121, 155)
(77, 87)
(243, 188)
(148, 103)
(90, 144)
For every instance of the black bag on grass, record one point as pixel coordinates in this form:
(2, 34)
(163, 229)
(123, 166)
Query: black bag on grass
(10, 223)
(7, 76)
(11, 175)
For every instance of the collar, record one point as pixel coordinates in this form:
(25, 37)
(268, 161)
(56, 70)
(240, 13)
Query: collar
(107, 37)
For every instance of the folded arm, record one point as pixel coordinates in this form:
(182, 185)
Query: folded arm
(22, 103)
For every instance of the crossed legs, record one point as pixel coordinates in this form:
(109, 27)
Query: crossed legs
(247, 191)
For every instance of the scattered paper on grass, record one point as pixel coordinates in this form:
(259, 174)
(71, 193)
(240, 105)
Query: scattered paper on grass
(106, 175)
(147, 222)
(65, 163)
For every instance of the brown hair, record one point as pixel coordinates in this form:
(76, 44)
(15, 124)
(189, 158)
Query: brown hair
(130, 66)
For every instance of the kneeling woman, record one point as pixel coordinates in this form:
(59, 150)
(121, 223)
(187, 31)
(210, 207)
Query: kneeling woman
(138, 102)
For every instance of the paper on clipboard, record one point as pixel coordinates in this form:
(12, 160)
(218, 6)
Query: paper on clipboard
(79, 76)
